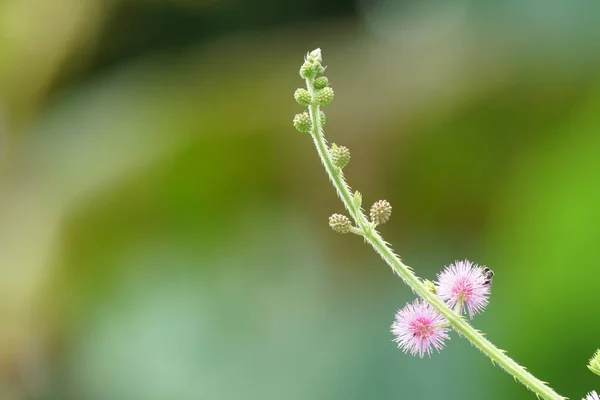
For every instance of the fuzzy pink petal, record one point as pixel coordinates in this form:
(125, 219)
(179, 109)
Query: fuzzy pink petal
(418, 328)
(464, 282)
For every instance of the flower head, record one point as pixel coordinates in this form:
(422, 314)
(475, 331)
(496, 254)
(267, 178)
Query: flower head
(340, 223)
(463, 285)
(381, 212)
(418, 328)
(592, 396)
(340, 155)
(302, 122)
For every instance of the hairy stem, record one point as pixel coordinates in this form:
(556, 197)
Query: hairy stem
(458, 323)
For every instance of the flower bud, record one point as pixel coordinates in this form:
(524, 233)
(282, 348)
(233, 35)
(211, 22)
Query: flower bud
(303, 97)
(312, 65)
(340, 223)
(325, 96)
(302, 122)
(340, 155)
(381, 212)
(308, 70)
(594, 364)
(321, 82)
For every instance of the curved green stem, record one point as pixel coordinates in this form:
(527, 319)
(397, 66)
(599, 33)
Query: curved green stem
(458, 323)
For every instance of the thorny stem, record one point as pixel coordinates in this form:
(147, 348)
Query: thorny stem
(365, 228)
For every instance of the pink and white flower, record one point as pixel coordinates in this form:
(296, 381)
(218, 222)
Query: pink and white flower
(462, 285)
(419, 328)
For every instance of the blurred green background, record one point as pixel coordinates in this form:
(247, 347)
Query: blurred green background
(163, 227)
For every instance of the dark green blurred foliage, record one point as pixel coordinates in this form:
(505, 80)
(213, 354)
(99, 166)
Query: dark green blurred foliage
(164, 227)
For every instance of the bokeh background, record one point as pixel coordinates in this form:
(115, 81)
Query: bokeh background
(163, 227)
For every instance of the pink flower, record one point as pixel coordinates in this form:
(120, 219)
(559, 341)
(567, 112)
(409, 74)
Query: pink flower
(592, 396)
(418, 327)
(464, 284)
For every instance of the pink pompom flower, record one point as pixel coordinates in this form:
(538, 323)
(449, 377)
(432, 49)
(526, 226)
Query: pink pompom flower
(592, 396)
(418, 328)
(463, 285)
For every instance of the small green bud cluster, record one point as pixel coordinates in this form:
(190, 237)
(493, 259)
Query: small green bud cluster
(321, 83)
(302, 122)
(303, 97)
(381, 212)
(340, 223)
(318, 93)
(594, 364)
(340, 155)
(325, 96)
(312, 65)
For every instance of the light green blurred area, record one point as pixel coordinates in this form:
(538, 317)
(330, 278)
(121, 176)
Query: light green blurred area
(163, 228)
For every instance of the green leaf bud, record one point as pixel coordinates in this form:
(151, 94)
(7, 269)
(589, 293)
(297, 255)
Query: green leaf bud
(340, 155)
(325, 96)
(381, 212)
(303, 97)
(302, 122)
(315, 56)
(321, 82)
(357, 200)
(430, 285)
(340, 223)
(323, 118)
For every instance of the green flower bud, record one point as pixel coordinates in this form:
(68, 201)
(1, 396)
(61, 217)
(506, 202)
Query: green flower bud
(594, 364)
(303, 97)
(302, 122)
(340, 223)
(323, 118)
(381, 212)
(325, 96)
(312, 65)
(308, 70)
(321, 82)
(340, 155)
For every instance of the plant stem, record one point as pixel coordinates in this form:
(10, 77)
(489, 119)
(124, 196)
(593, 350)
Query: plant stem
(459, 324)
